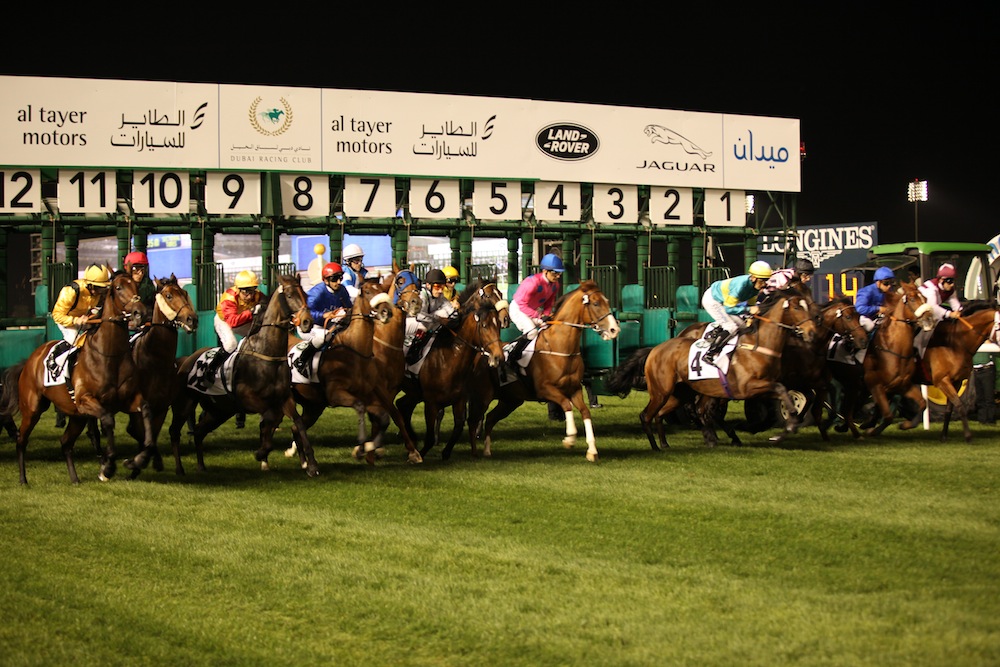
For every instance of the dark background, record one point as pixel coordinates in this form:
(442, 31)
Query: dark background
(882, 100)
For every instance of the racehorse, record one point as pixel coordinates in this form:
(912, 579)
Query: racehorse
(947, 361)
(348, 375)
(891, 361)
(154, 353)
(104, 381)
(554, 372)
(261, 381)
(753, 370)
(449, 366)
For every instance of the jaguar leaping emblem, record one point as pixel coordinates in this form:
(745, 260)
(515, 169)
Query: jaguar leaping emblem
(668, 136)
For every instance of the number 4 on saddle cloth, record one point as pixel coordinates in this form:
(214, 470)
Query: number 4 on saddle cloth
(701, 370)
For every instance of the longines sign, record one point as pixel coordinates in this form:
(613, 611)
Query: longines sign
(86, 123)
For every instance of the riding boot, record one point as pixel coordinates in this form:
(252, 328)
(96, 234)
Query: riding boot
(517, 350)
(304, 363)
(721, 338)
(416, 347)
(213, 367)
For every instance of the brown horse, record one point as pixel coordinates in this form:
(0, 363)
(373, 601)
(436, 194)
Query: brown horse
(947, 361)
(154, 353)
(448, 368)
(348, 374)
(104, 380)
(555, 371)
(891, 361)
(261, 381)
(753, 371)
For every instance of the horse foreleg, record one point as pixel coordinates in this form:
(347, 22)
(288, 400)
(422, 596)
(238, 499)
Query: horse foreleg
(913, 393)
(149, 428)
(74, 427)
(269, 421)
(792, 424)
(301, 434)
(882, 401)
(108, 465)
(431, 424)
(501, 410)
(458, 410)
(954, 403)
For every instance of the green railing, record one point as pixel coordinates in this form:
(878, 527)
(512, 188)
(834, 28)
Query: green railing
(211, 282)
(661, 286)
(280, 269)
(607, 278)
(60, 275)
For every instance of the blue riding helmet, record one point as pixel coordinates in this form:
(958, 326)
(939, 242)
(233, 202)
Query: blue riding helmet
(884, 273)
(403, 280)
(552, 263)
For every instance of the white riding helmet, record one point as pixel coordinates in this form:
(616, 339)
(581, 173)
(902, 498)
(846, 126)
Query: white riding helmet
(352, 251)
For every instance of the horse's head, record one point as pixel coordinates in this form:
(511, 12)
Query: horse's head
(402, 281)
(379, 303)
(173, 304)
(409, 301)
(291, 299)
(481, 327)
(790, 310)
(483, 291)
(123, 303)
(911, 306)
(840, 317)
(595, 311)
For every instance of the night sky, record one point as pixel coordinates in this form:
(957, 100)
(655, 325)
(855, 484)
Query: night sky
(882, 100)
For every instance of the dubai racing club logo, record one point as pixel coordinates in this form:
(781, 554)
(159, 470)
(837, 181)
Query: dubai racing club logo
(567, 141)
(271, 119)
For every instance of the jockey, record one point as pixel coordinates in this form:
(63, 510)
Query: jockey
(328, 303)
(534, 299)
(137, 265)
(354, 269)
(870, 299)
(940, 294)
(435, 311)
(795, 277)
(451, 276)
(233, 317)
(726, 301)
(79, 301)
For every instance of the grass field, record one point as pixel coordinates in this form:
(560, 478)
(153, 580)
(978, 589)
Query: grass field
(883, 552)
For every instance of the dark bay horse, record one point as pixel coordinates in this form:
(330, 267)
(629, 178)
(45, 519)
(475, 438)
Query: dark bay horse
(754, 369)
(448, 368)
(262, 381)
(555, 371)
(348, 374)
(890, 362)
(104, 380)
(154, 353)
(947, 361)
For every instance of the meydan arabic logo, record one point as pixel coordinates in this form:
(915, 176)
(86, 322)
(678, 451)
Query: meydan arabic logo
(271, 121)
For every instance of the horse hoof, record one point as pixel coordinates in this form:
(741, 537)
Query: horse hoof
(312, 472)
(292, 450)
(130, 464)
(102, 478)
(369, 447)
(370, 459)
(357, 453)
(592, 457)
(263, 466)
(569, 441)
(776, 438)
(414, 457)
(158, 465)
(380, 452)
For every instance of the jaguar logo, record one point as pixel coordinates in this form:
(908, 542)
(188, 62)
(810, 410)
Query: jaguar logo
(567, 141)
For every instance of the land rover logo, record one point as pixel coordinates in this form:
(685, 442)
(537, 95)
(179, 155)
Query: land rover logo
(565, 141)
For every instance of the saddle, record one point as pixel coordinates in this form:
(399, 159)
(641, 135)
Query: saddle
(59, 365)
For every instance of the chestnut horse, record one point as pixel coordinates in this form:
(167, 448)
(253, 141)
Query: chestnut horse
(154, 353)
(947, 361)
(555, 371)
(348, 375)
(448, 368)
(262, 381)
(753, 371)
(891, 360)
(104, 380)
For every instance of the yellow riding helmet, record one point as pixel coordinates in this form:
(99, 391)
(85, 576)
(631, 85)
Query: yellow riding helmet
(245, 278)
(97, 275)
(760, 269)
(450, 272)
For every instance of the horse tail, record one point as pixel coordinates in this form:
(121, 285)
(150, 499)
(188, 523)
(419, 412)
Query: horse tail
(630, 375)
(9, 391)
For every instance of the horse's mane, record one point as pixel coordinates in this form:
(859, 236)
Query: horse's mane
(471, 289)
(587, 286)
(774, 297)
(163, 282)
(840, 301)
(975, 306)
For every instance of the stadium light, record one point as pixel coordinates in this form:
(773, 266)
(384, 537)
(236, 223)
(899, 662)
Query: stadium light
(916, 192)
